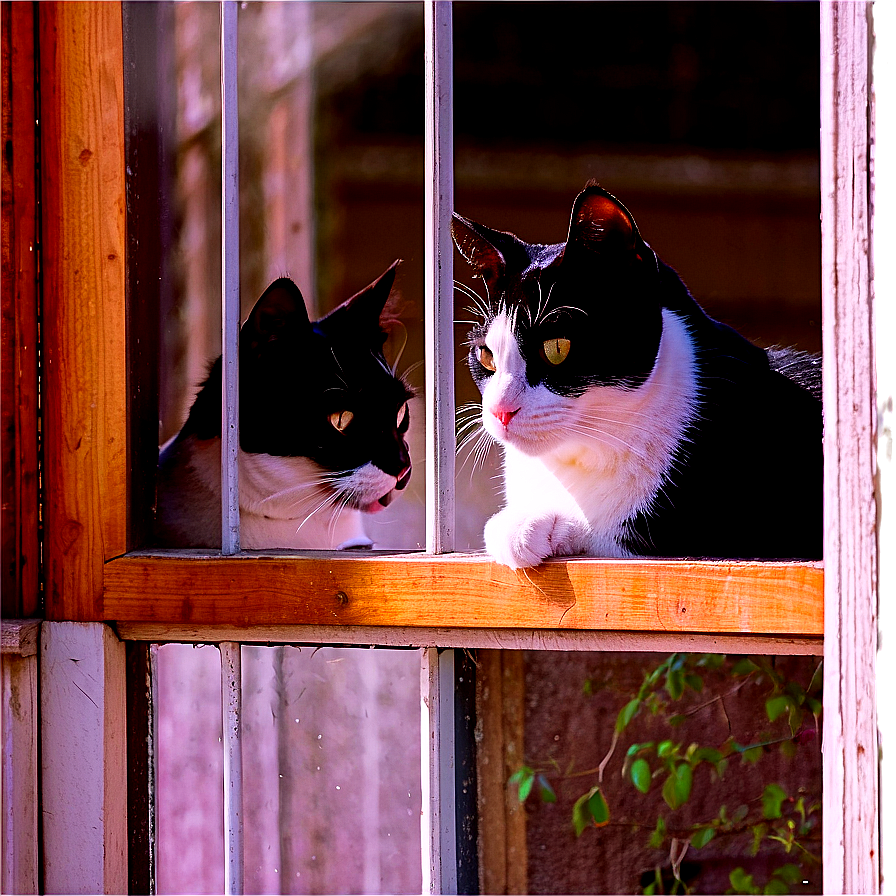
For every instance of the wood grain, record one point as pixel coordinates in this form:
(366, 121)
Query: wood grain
(83, 192)
(19, 355)
(851, 801)
(466, 591)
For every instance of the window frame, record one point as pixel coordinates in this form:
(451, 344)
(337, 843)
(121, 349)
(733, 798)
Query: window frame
(91, 577)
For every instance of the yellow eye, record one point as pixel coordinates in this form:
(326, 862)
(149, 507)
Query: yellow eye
(555, 350)
(402, 415)
(485, 357)
(341, 419)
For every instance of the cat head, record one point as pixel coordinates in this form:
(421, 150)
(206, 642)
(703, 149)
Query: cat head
(559, 320)
(321, 390)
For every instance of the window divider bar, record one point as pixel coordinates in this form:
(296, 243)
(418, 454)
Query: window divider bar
(230, 282)
(231, 706)
(439, 279)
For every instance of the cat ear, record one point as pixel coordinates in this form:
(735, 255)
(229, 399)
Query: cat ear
(491, 252)
(280, 312)
(601, 223)
(368, 304)
(477, 245)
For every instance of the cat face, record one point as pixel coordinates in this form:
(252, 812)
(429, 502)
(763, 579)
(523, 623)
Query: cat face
(324, 391)
(320, 391)
(560, 321)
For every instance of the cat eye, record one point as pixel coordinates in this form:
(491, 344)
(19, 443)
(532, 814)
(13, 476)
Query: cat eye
(555, 351)
(485, 357)
(341, 419)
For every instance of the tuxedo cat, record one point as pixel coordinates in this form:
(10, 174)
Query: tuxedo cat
(323, 420)
(633, 424)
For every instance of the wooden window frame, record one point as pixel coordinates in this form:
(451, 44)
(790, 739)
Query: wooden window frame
(431, 599)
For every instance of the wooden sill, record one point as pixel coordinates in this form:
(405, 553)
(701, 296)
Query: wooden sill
(465, 591)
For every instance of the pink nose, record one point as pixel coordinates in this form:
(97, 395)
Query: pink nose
(505, 416)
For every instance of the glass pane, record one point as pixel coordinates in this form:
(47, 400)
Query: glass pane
(331, 763)
(635, 768)
(702, 118)
(331, 194)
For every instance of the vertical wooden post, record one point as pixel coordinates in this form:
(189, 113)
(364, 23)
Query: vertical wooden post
(84, 373)
(19, 547)
(851, 854)
(18, 669)
(884, 261)
(83, 759)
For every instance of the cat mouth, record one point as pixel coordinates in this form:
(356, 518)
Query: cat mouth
(385, 500)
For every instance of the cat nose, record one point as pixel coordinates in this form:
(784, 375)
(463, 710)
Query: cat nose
(505, 416)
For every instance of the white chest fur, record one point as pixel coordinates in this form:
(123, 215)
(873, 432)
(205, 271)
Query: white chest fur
(589, 463)
(284, 502)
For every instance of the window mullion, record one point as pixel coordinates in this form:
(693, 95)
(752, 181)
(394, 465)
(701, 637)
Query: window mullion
(230, 282)
(439, 282)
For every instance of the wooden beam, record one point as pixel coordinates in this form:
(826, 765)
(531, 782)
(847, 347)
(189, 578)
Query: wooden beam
(851, 854)
(84, 373)
(466, 591)
(20, 564)
(83, 730)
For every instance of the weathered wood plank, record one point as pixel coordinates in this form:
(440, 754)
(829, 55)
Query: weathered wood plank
(18, 637)
(851, 854)
(83, 730)
(84, 373)
(19, 585)
(466, 591)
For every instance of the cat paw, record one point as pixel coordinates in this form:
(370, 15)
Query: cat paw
(523, 541)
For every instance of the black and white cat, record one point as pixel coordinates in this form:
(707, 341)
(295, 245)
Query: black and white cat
(633, 424)
(323, 420)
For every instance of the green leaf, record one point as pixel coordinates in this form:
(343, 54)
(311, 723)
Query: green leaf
(744, 667)
(581, 817)
(776, 887)
(789, 873)
(626, 714)
(675, 683)
(640, 773)
(526, 788)
(677, 788)
(751, 755)
(599, 809)
(775, 707)
(741, 882)
(759, 831)
(708, 754)
(772, 798)
(702, 837)
(665, 748)
(694, 682)
(711, 660)
(546, 791)
(659, 834)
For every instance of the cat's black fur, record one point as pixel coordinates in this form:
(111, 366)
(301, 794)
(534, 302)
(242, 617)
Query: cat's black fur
(743, 479)
(294, 376)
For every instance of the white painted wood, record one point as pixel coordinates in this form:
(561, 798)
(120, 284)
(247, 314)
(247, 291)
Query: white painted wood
(430, 852)
(439, 280)
(495, 638)
(230, 281)
(20, 794)
(850, 785)
(83, 758)
(884, 287)
(232, 711)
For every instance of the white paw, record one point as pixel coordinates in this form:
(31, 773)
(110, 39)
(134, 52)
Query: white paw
(519, 541)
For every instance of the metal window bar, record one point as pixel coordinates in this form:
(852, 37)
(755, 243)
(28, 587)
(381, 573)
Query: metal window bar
(230, 282)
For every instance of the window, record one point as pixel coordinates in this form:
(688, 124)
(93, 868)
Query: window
(434, 598)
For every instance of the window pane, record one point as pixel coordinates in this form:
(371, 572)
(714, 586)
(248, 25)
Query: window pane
(655, 785)
(331, 770)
